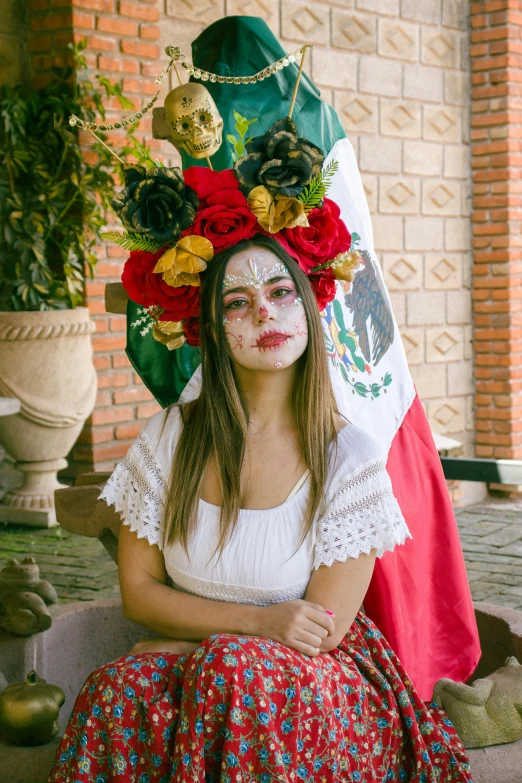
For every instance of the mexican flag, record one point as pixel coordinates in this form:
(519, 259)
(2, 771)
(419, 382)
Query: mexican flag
(419, 595)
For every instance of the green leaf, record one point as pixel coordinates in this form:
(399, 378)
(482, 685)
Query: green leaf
(131, 241)
(361, 389)
(338, 313)
(242, 127)
(315, 192)
(238, 143)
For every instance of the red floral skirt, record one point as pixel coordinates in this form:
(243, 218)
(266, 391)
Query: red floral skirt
(241, 709)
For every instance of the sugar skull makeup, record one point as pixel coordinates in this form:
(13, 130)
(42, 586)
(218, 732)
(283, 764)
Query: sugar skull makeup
(264, 318)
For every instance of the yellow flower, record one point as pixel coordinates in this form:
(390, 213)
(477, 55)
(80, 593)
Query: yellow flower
(182, 264)
(274, 214)
(169, 333)
(345, 264)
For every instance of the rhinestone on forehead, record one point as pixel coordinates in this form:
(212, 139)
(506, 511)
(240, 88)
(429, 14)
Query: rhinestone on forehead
(256, 278)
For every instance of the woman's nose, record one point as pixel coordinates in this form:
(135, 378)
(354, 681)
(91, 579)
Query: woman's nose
(263, 313)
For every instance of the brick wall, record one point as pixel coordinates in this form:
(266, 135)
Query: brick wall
(123, 43)
(496, 61)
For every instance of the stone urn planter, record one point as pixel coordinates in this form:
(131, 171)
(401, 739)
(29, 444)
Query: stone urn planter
(45, 362)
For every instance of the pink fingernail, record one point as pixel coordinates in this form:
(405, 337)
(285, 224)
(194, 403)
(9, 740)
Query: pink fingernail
(327, 612)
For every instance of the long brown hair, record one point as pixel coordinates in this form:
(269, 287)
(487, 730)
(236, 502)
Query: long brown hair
(216, 424)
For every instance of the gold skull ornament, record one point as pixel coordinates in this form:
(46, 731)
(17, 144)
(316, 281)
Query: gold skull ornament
(195, 124)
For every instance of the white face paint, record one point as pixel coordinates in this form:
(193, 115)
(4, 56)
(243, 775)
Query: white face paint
(264, 318)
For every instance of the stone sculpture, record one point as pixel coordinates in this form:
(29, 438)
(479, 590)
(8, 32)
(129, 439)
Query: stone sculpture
(45, 362)
(488, 712)
(26, 601)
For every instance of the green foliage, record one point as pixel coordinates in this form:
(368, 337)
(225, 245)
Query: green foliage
(238, 142)
(374, 390)
(142, 154)
(52, 200)
(314, 193)
(131, 241)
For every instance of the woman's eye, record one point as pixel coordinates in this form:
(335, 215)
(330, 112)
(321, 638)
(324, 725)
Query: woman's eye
(280, 292)
(236, 304)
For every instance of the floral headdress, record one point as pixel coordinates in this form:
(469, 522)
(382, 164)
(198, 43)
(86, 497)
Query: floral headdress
(176, 221)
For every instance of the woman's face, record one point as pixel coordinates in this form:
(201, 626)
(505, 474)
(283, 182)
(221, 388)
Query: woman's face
(264, 318)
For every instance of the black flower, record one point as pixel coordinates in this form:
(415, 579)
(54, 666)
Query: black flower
(279, 160)
(155, 202)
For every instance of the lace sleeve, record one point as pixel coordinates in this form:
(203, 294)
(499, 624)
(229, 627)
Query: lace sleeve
(362, 515)
(137, 489)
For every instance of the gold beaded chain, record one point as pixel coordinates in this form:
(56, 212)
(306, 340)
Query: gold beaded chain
(175, 54)
(207, 76)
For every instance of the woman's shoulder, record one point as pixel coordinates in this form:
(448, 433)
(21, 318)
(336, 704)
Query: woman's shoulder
(160, 434)
(353, 449)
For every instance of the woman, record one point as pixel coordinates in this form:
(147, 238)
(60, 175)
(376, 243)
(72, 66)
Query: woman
(266, 510)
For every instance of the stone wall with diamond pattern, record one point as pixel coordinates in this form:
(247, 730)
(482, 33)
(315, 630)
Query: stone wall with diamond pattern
(397, 71)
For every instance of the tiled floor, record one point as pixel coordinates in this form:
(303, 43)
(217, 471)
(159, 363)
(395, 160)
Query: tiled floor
(79, 568)
(491, 535)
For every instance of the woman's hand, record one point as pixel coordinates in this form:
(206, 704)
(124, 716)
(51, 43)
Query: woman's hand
(175, 646)
(299, 624)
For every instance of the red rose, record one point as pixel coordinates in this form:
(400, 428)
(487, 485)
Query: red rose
(223, 216)
(226, 221)
(208, 183)
(191, 329)
(147, 288)
(321, 241)
(323, 286)
(179, 303)
(136, 274)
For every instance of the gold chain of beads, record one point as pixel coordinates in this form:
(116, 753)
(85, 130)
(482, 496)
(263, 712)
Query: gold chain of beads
(132, 118)
(207, 76)
(175, 54)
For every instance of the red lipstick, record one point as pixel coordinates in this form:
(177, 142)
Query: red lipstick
(271, 339)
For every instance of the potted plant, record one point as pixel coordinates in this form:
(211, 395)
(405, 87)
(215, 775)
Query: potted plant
(53, 200)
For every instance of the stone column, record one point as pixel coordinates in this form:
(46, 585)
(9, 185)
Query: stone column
(496, 132)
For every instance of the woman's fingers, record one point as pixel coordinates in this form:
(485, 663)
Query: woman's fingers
(322, 619)
(315, 629)
(311, 639)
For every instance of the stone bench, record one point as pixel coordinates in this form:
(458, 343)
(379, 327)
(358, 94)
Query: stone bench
(69, 651)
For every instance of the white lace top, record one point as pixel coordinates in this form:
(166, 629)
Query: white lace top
(259, 564)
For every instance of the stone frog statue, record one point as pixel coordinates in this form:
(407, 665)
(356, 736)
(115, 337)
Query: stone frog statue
(26, 601)
(488, 712)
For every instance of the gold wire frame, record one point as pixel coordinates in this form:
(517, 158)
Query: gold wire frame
(175, 55)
